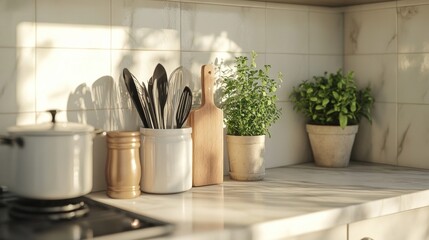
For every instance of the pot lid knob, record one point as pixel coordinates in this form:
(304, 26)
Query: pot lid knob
(53, 113)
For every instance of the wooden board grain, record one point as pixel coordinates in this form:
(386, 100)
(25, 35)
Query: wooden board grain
(207, 135)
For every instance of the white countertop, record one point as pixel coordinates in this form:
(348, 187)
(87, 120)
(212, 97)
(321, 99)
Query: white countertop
(290, 201)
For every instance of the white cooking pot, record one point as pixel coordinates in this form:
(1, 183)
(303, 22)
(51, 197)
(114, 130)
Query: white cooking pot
(50, 161)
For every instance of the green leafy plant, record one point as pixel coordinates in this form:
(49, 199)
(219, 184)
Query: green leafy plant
(249, 98)
(332, 99)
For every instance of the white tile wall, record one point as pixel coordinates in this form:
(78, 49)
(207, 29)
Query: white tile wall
(206, 27)
(17, 23)
(69, 55)
(72, 79)
(325, 33)
(74, 62)
(142, 63)
(376, 142)
(377, 71)
(287, 31)
(371, 31)
(294, 68)
(288, 139)
(17, 80)
(413, 135)
(319, 64)
(73, 24)
(152, 25)
(413, 78)
(387, 47)
(412, 20)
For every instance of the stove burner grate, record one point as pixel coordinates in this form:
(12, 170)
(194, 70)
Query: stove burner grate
(54, 210)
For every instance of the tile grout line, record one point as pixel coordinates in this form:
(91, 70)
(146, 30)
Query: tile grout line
(396, 83)
(35, 60)
(111, 104)
(308, 45)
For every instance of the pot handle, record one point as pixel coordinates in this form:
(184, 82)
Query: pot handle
(53, 113)
(10, 141)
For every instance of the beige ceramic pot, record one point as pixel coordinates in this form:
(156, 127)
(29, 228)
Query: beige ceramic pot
(331, 145)
(246, 157)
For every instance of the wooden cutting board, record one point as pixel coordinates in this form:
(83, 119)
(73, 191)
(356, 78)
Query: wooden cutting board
(207, 135)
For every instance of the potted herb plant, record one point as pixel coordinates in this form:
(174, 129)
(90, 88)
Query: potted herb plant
(249, 106)
(334, 106)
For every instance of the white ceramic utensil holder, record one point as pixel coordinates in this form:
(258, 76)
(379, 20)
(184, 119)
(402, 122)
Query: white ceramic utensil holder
(166, 157)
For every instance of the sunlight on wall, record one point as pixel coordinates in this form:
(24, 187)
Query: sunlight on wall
(71, 70)
(72, 35)
(145, 38)
(424, 67)
(26, 34)
(222, 42)
(426, 46)
(404, 63)
(24, 73)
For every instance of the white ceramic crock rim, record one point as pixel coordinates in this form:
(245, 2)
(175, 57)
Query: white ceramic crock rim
(165, 132)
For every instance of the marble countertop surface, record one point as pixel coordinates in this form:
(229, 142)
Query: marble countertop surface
(290, 201)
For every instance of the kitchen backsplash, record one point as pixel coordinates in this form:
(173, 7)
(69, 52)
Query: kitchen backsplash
(69, 55)
(387, 46)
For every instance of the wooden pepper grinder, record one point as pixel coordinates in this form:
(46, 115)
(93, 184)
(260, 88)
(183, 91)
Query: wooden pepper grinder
(123, 171)
(207, 135)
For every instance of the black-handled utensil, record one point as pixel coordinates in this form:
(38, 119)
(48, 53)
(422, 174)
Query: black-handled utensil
(143, 101)
(184, 107)
(150, 85)
(132, 90)
(161, 90)
(162, 95)
(149, 105)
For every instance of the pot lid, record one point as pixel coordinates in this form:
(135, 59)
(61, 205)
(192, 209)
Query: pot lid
(51, 128)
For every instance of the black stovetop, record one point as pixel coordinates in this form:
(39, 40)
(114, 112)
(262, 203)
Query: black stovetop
(102, 221)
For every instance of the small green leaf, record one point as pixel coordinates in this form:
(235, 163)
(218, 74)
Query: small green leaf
(353, 107)
(313, 99)
(325, 102)
(319, 107)
(343, 120)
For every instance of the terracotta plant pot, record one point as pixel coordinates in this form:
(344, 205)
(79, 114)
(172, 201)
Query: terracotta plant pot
(331, 145)
(246, 157)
